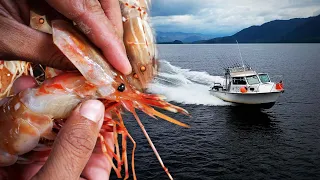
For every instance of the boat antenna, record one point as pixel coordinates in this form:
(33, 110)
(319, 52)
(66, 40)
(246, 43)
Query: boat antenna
(240, 54)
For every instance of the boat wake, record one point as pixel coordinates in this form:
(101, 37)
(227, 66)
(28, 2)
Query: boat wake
(185, 86)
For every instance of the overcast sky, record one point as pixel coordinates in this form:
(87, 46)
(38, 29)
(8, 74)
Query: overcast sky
(225, 17)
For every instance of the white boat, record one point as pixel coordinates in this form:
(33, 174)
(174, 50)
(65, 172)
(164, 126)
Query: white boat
(244, 86)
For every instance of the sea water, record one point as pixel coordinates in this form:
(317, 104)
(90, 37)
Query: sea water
(224, 141)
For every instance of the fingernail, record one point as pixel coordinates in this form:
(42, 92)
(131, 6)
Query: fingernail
(92, 110)
(24, 82)
(127, 68)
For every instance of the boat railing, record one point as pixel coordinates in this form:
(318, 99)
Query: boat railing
(238, 69)
(276, 79)
(258, 89)
(272, 87)
(216, 86)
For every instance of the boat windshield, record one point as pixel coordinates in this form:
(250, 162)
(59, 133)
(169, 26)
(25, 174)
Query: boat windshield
(253, 80)
(264, 78)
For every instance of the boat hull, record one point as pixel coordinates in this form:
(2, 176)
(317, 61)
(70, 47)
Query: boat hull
(259, 100)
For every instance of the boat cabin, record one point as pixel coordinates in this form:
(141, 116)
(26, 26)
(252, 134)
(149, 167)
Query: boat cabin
(250, 79)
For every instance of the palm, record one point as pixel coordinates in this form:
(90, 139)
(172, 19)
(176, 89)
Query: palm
(97, 167)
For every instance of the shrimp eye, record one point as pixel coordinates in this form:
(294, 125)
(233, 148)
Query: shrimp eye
(122, 87)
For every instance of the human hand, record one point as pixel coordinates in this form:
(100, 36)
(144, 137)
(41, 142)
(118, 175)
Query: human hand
(74, 153)
(100, 20)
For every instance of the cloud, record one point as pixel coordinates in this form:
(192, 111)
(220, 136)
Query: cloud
(225, 17)
(169, 8)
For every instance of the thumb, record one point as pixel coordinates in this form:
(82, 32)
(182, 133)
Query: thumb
(75, 143)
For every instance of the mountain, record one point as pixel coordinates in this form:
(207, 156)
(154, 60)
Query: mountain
(308, 32)
(162, 37)
(293, 30)
(173, 42)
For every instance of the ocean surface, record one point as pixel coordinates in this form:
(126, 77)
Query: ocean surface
(228, 142)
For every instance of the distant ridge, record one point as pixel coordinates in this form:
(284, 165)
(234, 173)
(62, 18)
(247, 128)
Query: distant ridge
(164, 37)
(298, 30)
(173, 42)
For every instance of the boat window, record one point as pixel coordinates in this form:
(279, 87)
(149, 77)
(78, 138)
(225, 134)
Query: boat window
(253, 80)
(264, 78)
(239, 81)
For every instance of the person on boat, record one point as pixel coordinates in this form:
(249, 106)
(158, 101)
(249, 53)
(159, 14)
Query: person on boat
(71, 155)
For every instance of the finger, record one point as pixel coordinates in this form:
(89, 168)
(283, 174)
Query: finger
(22, 171)
(92, 20)
(3, 101)
(27, 171)
(24, 11)
(24, 82)
(19, 41)
(12, 8)
(112, 10)
(75, 142)
(98, 166)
